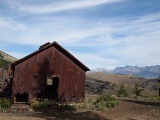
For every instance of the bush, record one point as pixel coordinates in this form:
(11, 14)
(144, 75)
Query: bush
(104, 102)
(4, 103)
(137, 91)
(122, 92)
(101, 103)
(36, 105)
(4, 63)
(67, 107)
(40, 105)
(156, 98)
(87, 104)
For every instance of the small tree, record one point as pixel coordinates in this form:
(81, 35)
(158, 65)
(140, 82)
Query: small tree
(137, 90)
(122, 92)
(1, 56)
(159, 85)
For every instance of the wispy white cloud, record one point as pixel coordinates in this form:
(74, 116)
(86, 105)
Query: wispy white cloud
(40, 33)
(112, 42)
(140, 44)
(11, 24)
(96, 60)
(58, 6)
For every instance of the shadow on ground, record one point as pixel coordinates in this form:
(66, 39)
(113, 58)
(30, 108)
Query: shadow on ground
(152, 103)
(51, 115)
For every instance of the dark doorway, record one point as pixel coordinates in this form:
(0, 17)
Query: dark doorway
(22, 97)
(40, 96)
(51, 88)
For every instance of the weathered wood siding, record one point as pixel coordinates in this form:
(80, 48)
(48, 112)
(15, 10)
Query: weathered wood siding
(30, 75)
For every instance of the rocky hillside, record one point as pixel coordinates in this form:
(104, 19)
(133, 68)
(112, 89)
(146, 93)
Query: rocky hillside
(5, 73)
(7, 57)
(99, 83)
(4, 63)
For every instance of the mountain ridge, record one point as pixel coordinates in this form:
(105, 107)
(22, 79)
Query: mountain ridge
(149, 72)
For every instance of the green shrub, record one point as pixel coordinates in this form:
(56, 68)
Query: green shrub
(101, 103)
(4, 63)
(45, 105)
(67, 107)
(34, 104)
(86, 104)
(112, 104)
(156, 98)
(104, 102)
(4, 103)
(122, 92)
(40, 105)
(137, 91)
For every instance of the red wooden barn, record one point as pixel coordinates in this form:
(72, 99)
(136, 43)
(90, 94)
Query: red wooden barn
(49, 73)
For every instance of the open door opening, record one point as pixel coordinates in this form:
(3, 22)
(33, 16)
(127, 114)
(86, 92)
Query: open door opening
(51, 88)
(22, 98)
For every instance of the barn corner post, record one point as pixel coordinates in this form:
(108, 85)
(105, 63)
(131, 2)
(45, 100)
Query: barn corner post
(11, 85)
(10, 92)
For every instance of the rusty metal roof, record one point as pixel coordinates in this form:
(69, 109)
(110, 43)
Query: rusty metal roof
(57, 46)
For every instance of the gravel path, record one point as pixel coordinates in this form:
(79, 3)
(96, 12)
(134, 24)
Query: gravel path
(134, 110)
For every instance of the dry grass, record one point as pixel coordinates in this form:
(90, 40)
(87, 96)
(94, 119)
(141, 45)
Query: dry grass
(115, 80)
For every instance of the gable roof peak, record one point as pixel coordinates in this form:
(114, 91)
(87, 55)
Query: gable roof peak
(57, 46)
(44, 45)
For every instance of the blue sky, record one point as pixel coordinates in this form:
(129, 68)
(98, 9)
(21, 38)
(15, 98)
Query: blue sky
(100, 33)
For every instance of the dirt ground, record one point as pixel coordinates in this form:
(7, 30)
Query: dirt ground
(128, 109)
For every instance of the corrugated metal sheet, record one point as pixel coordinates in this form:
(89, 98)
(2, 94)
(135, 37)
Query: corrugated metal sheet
(30, 74)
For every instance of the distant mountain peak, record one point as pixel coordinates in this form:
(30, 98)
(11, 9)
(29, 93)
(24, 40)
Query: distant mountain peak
(149, 72)
(104, 70)
(146, 72)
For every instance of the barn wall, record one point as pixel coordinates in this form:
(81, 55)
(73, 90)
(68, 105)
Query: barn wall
(30, 75)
